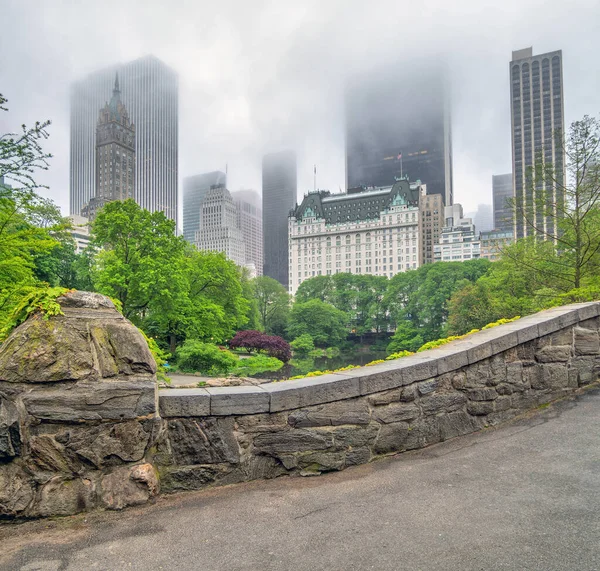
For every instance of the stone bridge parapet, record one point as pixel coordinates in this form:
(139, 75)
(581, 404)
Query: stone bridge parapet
(81, 425)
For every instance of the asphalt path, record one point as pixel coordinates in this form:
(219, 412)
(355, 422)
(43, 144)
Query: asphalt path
(525, 496)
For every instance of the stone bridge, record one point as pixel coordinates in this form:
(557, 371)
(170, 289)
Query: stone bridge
(82, 424)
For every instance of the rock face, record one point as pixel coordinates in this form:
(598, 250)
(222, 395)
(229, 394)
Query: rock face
(78, 412)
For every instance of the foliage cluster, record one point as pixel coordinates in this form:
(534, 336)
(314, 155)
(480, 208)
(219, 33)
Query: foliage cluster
(256, 364)
(272, 345)
(194, 356)
(303, 344)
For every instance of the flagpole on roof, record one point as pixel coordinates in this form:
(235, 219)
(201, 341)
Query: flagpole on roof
(315, 180)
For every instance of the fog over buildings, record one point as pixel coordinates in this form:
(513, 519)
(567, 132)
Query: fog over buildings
(260, 77)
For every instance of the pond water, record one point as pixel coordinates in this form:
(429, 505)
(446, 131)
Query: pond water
(301, 365)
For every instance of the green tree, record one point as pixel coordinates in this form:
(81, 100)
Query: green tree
(217, 307)
(421, 296)
(323, 322)
(405, 338)
(22, 238)
(273, 303)
(140, 262)
(303, 344)
(568, 218)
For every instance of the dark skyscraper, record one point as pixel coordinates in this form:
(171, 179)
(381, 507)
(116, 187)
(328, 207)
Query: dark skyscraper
(502, 193)
(399, 124)
(194, 191)
(150, 94)
(115, 155)
(279, 194)
(537, 113)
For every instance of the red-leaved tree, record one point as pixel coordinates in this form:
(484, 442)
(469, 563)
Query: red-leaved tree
(273, 345)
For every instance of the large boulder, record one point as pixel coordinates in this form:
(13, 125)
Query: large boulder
(78, 401)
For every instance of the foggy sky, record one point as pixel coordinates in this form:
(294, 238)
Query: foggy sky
(267, 75)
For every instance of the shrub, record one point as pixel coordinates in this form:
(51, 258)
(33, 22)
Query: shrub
(196, 356)
(249, 340)
(273, 345)
(258, 364)
(303, 344)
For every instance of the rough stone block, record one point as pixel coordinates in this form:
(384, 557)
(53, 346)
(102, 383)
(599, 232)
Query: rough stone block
(386, 397)
(482, 394)
(480, 408)
(479, 351)
(129, 486)
(588, 311)
(418, 368)
(10, 430)
(391, 438)
(16, 489)
(226, 401)
(202, 441)
(183, 402)
(553, 354)
(445, 402)
(457, 424)
(423, 432)
(62, 496)
(322, 461)
(104, 444)
(554, 375)
(113, 400)
(358, 456)
(345, 437)
(380, 377)
(586, 369)
(427, 387)
(396, 412)
(451, 357)
(291, 441)
(331, 414)
(586, 341)
(193, 477)
(288, 395)
(502, 403)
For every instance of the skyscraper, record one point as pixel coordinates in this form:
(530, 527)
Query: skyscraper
(219, 231)
(115, 155)
(250, 223)
(399, 124)
(279, 193)
(194, 191)
(502, 193)
(150, 94)
(537, 114)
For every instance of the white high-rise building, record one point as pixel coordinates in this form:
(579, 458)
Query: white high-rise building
(364, 231)
(150, 94)
(459, 241)
(248, 203)
(219, 230)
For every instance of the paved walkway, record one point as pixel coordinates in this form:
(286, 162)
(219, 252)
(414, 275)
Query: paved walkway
(523, 497)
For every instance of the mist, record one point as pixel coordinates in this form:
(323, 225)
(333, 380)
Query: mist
(269, 75)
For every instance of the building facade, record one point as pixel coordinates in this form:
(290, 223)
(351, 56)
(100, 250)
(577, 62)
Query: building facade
(80, 231)
(502, 194)
(115, 155)
(219, 231)
(279, 195)
(493, 242)
(374, 231)
(249, 212)
(431, 217)
(537, 115)
(150, 94)
(397, 126)
(194, 191)
(459, 241)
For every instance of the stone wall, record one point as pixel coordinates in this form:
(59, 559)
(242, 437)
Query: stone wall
(320, 424)
(77, 412)
(79, 427)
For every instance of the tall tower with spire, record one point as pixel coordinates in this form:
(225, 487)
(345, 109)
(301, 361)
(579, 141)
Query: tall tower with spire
(115, 155)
